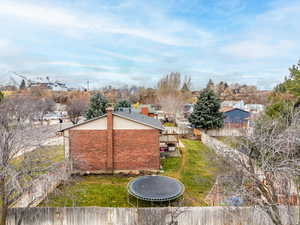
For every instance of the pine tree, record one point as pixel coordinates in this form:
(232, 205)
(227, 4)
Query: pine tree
(206, 113)
(22, 85)
(97, 107)
(122, 104)
(210, 85)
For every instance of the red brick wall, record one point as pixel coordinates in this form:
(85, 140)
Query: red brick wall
(136, 149)
(88, 149)
(110, 146)
(132, 150)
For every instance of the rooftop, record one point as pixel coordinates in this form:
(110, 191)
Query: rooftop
(133, 116)
(137, 117)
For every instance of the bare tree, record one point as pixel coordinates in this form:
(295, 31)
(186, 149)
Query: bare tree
(16, 173)
(76, 108)
(170, 82)
(267, 169)
(170, 95)
(172, 102)
(42, 106)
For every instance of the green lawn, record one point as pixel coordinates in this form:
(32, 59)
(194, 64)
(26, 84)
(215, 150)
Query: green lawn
(43, 157)
(195, 169)
(52, 153)
(171, 164)
(105, 191)
(199, 172)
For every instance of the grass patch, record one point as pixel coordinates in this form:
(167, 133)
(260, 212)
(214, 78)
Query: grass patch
(52, 153)
(105, 191)
(196, 169)
(45, 155)
(171, 164)
(199, 172)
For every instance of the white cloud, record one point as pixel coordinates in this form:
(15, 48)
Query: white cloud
(38, 14)
(135, 39)
(225, 7)
(126, 57)
(4, 44)
(75, 64)
(257, 49)
(105, 22)
(7, 48)
(269, 35)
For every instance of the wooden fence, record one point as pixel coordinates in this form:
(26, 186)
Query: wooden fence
(144, 216)
(43, 185)
(177, 130)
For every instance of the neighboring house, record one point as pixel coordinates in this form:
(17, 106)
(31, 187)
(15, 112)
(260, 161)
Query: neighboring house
(46, 83)
(147, 110)
(255, 108)
(113, 143)
(236, 123)
(235, 117)
(233, 104)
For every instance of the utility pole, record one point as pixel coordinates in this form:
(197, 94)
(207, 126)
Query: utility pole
(88, 85)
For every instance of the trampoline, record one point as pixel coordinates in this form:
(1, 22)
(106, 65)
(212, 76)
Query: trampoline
(155, 188)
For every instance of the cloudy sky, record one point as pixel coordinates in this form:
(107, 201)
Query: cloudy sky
(121, 42)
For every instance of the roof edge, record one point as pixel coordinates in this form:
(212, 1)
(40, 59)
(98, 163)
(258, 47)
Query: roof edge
(115, 114)
(237, 109)
(125, 117)
(84, 122)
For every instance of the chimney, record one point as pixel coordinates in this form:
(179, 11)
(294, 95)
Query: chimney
(145, 110)
(110, 144)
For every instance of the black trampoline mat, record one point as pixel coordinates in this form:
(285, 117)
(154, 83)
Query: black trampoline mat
(155, 188)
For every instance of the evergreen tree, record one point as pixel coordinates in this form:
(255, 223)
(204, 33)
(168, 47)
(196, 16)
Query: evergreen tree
(285, 96)
(293, 83)
(97, 107)
(122, 104)
(206, 113)
(1, 96)
(185, 87)
(210, 85)
(22, 85)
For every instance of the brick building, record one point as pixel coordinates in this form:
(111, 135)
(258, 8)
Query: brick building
(145, 109)
(113, 143)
